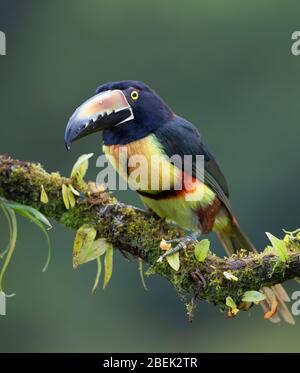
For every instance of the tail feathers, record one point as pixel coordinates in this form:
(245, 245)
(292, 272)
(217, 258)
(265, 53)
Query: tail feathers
(274, 305)
(275, 318)
(280, 291)
(282, 308)
(235, 240)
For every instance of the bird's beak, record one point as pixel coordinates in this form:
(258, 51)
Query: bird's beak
(105, 110)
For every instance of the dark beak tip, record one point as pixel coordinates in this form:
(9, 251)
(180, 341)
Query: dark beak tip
(67, 144)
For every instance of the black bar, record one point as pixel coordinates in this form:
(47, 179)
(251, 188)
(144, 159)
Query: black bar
(138, 361)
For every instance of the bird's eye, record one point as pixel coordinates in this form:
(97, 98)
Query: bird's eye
(134, 95)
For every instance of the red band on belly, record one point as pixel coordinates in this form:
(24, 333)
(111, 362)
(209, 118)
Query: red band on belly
(208, 215)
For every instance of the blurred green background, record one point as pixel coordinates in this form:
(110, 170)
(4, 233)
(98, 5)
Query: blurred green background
(227, 67)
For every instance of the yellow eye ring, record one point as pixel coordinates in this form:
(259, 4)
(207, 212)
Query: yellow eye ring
(134, 95)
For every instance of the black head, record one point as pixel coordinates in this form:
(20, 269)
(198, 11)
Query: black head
(125, 111)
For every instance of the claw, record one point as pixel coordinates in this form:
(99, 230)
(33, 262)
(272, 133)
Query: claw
(182, 244)
(107, 208)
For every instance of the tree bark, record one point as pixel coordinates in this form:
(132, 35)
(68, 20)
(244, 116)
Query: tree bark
(136, 232)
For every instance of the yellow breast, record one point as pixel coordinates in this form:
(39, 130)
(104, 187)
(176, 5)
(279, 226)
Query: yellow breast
(144, 165)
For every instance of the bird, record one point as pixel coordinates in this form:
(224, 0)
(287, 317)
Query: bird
(134, 119)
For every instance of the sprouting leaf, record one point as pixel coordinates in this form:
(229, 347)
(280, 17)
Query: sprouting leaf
(86, 248)
(269, 250)
(7, 217)
(142, 273)
(40, 225)
(230, 276)
(231, 304)
(202, 250)
(297, 279)
(23, 209)
(81, 166)
(74, 191)
(37, 218)
(100, 246)
(99, 269)
(253, 296)
(11, 246)
(292, 233)
(68, 197)
(279, 247)
(83, 249)
(26, 214)
(71, 198)
(65, 195)
(44, 198)
(174, 261)
(10, 208)
(108, 265)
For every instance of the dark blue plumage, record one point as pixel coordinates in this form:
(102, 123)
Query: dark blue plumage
(150, 112)
(176, 135)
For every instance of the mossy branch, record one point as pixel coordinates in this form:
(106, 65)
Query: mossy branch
(139, 234)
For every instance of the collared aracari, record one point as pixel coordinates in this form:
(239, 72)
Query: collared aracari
(133, 117)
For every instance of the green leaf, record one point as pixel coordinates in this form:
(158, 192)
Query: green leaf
(292, 233)
(202, 250)
(21, 209)
(174, 261)
(11, 246)
(71, 198)
(74, 191)
(279, 247)
(100, 246)
(81, 166)
(7, 217)
(10, 208)
(65, 195)
(140, 260)
(230, 303)
(297, 279)
(108, 265)
(48, 259)
(253, 296)
(269, 250)
(27, 214)
(44, 198)
(68, 196)
(34, 220)
(229, 276)
(99, 269)
(84, 249)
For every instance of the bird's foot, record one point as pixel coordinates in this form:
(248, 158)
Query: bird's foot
(107, 209)
(182, 243)
(147, 211)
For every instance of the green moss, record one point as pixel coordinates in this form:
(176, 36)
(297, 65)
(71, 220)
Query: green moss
(124, 226)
